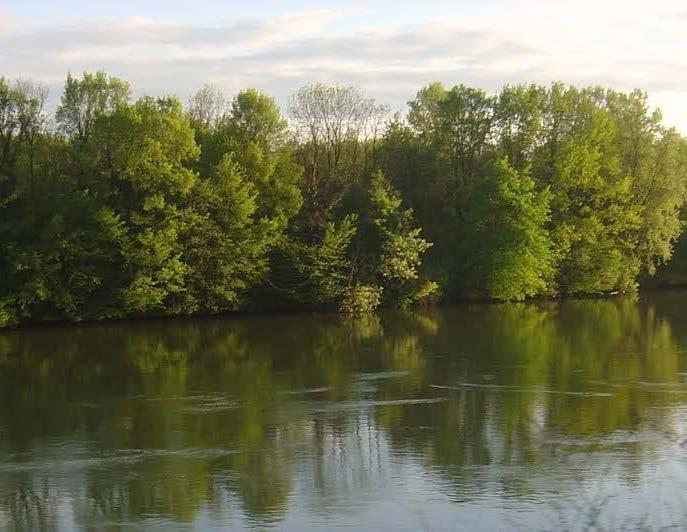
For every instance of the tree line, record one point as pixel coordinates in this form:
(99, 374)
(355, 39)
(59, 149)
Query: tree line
(114, 207)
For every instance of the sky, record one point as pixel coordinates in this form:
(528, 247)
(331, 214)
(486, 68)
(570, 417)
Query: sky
(390, 49)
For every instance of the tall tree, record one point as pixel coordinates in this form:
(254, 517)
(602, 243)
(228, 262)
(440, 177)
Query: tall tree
(511, 252)
(592, 212)
(224, 244)
(655, 159)
(398, 246)
(336, 126)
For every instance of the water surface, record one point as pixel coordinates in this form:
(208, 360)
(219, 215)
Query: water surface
(532, 417)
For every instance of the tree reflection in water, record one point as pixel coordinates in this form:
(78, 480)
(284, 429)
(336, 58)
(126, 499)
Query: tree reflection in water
(309, 420)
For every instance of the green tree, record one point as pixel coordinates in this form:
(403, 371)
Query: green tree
(152, 144)
(316, 272)
(144, 208)
(655, 159)
(397, 246)
(593, 215)
(257, 136)
(510, 247)
(51, 239)
(224, 245)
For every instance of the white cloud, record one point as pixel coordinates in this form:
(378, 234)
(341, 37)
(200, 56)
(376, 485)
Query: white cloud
(622, 44)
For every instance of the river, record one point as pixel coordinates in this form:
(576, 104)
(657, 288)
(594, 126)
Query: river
(541, 416)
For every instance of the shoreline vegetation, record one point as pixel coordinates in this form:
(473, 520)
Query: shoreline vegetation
(335, 312)
(116, 208)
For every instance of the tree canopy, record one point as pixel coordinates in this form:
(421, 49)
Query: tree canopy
(118, 207)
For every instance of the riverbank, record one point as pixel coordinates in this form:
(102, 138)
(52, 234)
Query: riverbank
(333, 312)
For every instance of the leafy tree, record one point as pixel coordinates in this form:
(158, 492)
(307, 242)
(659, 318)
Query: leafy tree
(316, 272)
(51, 239)
(592, 211)
(655, 159)
(399, 246)
(152, 142)
(252, 131)
(224, 245)
(511, 250)
(257, 136)
(145, 208)
(453, 129)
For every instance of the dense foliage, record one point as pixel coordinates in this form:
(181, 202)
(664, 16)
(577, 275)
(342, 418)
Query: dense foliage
(122, 208)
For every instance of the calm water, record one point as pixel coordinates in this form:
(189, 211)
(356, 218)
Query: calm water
(542, 416)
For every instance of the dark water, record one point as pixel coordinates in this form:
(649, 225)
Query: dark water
(544, 416)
